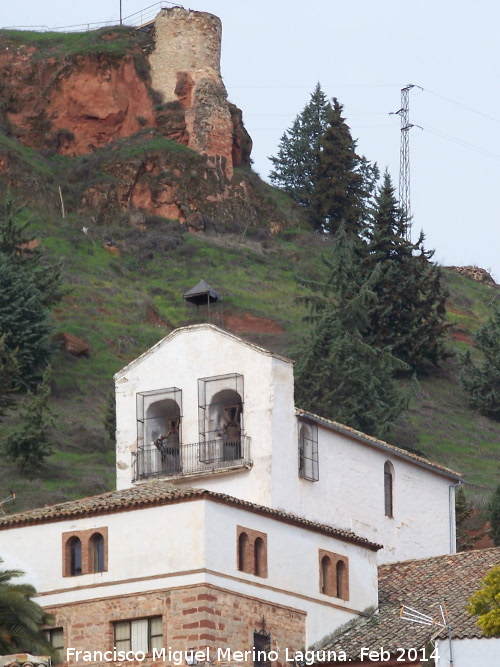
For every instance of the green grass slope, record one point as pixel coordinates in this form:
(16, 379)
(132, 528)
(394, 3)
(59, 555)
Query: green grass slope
(121, 304)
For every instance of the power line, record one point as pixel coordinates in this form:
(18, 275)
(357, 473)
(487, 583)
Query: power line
(464, 106)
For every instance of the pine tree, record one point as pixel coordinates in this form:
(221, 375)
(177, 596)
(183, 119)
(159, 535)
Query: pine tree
(9, 369)
(409, 313)
(343, 181)
(27, 443)
(338, 375)
(25, 323)
(295, 162)
(494, 517)
(21, 619)
(22, 248)
(481, 380)
(463, 511)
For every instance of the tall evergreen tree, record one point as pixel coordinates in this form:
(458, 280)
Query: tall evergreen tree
(409, 313)
(343, 181)
(463, 512)
(494, 517)
(338, 375)
(9, 369)
(24, 321)
(21, 618)
(27, 443)
(23, 249)
(296, 159)
(481, 380)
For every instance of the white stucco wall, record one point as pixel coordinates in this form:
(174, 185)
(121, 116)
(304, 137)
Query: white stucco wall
(201, 352)
(350, 490)
(350, 494)
(176, 545)
(470, 652)
(293, 567)
(141, 543)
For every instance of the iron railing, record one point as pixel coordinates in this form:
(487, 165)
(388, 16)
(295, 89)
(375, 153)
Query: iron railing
(195, 458)
(138, 19)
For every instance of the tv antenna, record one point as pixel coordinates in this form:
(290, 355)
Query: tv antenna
(404, 156)
(442, 622)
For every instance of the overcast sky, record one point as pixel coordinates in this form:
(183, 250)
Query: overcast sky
(363, 52)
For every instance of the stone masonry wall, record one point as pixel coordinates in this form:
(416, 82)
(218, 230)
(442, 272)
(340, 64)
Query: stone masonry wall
(193, 617)
(185, 68)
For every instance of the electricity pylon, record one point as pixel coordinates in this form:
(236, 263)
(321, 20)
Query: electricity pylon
(404, 158)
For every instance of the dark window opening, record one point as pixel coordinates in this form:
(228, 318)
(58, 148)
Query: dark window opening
(258, 554)
(388, 490)
(326, 575)
(97, 552)
(262, 647)
(341, 574)
(55, 637)
(308, 452)
(75, 556)
(242, 552)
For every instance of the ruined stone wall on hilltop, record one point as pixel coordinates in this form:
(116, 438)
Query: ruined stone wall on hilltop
(185, 68)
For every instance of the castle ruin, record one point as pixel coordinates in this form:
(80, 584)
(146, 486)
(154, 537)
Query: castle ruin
(185, 69)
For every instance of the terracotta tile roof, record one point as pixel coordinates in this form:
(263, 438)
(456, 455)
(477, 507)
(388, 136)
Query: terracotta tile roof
(379, 444)
(423, 585)
(163, 492)
(24, 660)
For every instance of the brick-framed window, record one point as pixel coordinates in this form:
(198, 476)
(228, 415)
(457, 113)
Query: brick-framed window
(140, 634)
(85, 551)
(251, 551)
(55, 637)
(333, 575)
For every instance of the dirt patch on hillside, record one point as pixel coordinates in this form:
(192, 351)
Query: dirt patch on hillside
(461, 337)
(246, 323)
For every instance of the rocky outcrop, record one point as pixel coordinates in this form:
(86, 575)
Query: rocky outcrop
(115, 104)
(75, 103)
(475, 273)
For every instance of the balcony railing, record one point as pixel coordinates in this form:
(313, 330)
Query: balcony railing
(192, 459)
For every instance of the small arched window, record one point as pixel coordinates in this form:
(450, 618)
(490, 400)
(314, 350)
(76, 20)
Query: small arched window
(326, 576)
(97, 553)
(242, 552)
(341, 572)
(75, 556)
(389, 489)
(259, 556)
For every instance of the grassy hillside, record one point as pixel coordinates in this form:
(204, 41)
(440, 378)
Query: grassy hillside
(125, 277)
(122, 304)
